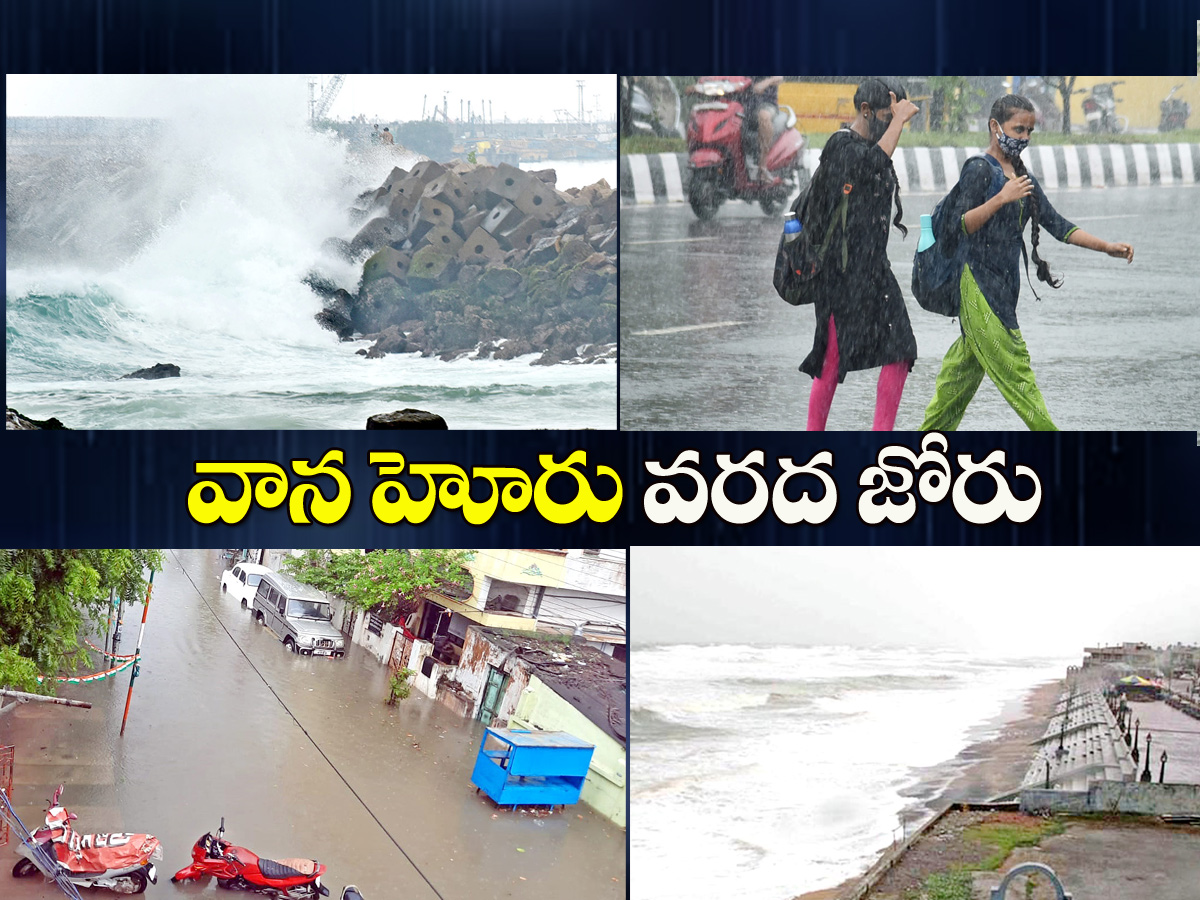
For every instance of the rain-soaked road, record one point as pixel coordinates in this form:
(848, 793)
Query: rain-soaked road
(301, 757)
(707, 344)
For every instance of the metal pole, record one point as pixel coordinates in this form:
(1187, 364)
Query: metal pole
(137, 654)
(41, 698)
(112, 597)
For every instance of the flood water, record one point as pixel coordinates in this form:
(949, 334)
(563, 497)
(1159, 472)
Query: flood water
(302, 758)
(706, 343)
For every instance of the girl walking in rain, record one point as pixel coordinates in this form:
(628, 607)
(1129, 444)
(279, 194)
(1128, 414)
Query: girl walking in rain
(861, 318)
(991, 223)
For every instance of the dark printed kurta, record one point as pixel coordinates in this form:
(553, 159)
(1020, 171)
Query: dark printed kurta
(994, 251)
(865, 299)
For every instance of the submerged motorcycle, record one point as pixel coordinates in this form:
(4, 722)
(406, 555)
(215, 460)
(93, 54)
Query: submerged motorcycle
(237, 869)
(120, 862)
(719, 147)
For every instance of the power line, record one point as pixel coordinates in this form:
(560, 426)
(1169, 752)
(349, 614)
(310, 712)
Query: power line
(317, 746)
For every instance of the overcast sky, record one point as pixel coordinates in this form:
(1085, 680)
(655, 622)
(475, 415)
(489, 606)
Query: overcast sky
(390, 97)
(1013, 601)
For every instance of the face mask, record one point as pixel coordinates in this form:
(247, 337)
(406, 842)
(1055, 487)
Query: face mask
(1011, 146)
(877, 129)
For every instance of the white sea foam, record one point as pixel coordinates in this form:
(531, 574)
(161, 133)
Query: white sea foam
(765, 802)
(240, 194)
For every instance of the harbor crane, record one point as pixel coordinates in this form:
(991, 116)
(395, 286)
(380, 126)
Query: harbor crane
(319, 106)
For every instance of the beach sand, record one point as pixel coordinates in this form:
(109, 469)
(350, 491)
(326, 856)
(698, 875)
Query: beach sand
(981, 771)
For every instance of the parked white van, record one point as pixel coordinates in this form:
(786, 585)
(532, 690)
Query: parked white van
(241, 582)
(298, 614)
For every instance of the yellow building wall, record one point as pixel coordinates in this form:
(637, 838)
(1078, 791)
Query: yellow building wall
(604, 789)
(512, 565)
(819, 108)
(1138, 98)
(822, 108)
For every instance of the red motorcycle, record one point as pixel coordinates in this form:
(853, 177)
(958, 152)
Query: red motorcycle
(237, 869)
(118, 861)
(718, 142)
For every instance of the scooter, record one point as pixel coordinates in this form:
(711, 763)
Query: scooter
(1100, 109)
(718, 162)
(237, 869)
(1174, 112)
(120, 862)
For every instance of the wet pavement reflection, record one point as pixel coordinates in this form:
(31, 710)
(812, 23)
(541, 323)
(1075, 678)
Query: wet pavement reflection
(707, 344)
(300, 755)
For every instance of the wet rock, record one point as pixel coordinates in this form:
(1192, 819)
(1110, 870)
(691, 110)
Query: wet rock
(14, 421)
(502, 264)
(407, 420)
(158, 370)
(378, 233)
(430, 268)
(513, 349)
(338, 316)
(390, 340)
(388, 262)
(500, 282)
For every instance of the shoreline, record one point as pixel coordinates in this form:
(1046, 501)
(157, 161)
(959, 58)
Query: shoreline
(979, 772)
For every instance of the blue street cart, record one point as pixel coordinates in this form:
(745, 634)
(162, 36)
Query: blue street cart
(531, 768)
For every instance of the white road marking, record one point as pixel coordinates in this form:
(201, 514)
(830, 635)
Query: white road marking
(1120, 170)
(900, 164)
(924, 168)
(682, 328)
(1165, 175)
(1185, 163)
(639, 169)
(1049, 174)
(950, 165)
(1141, 161)
(1096, 164)
(670, 164)
(1074, 176)
(670, 241)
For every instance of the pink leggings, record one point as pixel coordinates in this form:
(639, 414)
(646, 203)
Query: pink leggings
(887, 392)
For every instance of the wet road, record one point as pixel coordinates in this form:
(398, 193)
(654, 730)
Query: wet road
(706, 343)
(302, 758)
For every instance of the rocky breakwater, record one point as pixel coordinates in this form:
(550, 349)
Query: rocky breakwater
(490, 261)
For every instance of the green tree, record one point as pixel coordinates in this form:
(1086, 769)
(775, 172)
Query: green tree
(384, 581)
(956, 99)
(48, 597)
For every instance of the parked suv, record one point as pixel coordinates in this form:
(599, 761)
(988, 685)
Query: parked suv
(241, 582)
(298, 614)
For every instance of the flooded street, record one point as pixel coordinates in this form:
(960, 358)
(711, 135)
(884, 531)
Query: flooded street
(707, 344)
(302, 758)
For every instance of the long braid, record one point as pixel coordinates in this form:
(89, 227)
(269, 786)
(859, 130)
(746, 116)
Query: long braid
(1043, 267)
(896, 196)
(1002, 111)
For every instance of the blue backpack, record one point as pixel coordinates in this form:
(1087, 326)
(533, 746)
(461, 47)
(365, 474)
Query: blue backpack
(936, 270)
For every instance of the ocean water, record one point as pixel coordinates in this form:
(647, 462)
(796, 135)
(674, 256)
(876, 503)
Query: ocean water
(765, 772)
(195, 253)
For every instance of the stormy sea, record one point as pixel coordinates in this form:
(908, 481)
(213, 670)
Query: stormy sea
(767, 771)
(188, 241)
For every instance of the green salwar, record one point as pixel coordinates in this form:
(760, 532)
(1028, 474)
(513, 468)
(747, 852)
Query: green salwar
(984, 347)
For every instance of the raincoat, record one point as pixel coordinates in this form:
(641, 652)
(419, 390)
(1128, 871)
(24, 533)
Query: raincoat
(864, 300)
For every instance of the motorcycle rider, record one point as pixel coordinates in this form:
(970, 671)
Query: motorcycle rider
(761, 105)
